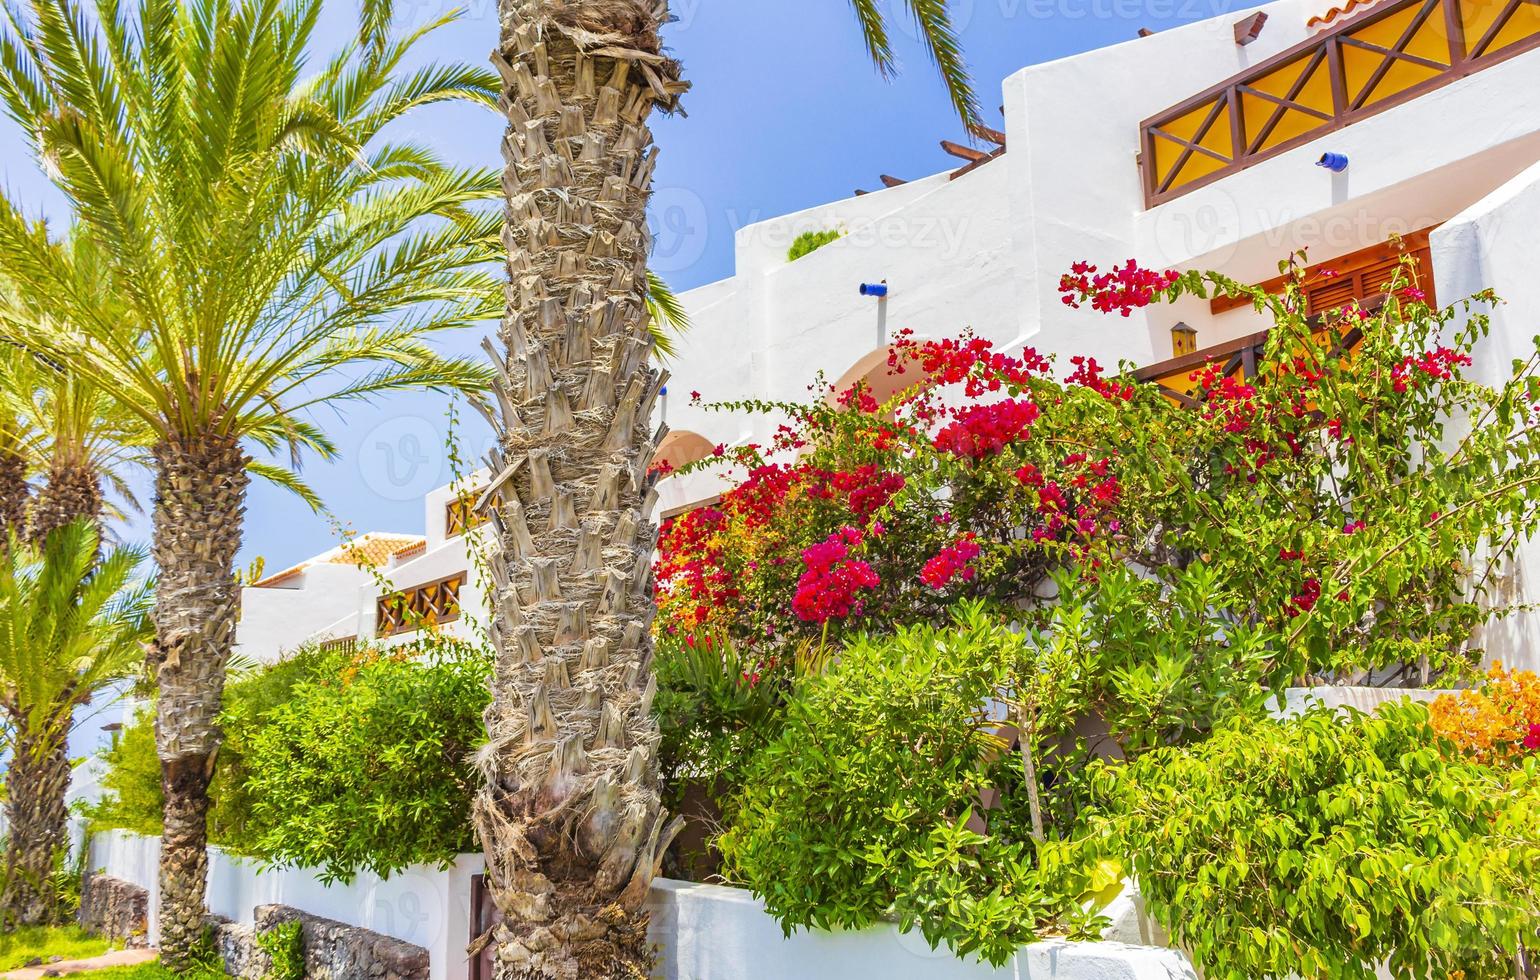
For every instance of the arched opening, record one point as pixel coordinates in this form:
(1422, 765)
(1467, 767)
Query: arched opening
(681, 448)
(880, 381)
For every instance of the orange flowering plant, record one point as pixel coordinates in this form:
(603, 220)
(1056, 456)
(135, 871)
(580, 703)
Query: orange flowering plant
(1496, 723)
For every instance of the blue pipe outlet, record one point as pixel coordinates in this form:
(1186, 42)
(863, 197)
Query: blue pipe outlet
(878, 289)
(1335, 162)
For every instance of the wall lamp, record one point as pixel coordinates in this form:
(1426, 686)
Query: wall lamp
(1335, 162)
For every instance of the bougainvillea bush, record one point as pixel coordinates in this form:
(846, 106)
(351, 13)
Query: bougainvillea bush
(1330, 489)
(1171, 560)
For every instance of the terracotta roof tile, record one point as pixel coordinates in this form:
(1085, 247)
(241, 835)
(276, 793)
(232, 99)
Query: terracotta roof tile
(375, 548)
(1338, 13)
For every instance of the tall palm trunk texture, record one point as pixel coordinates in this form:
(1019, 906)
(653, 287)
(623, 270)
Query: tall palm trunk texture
(72, 491)
(570, 817)
(199, 501)
(36, 784)
(13, 488)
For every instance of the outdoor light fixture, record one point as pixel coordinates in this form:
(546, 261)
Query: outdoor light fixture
(877, 289)
(1335, 162)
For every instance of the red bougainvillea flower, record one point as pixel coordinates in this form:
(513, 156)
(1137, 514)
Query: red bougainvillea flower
(1353, 527)
(985, 430)
(829, 587)
(1309, 595)
(1438, 364)
(1532, 740)
(951, 562)
(1124, 289)
(1088, 374)
(1413, 295)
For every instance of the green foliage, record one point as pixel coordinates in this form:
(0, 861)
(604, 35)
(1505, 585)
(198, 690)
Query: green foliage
(811, 241)
(1155, 664)
(369, 770)
(70, 625)
(859, 811)
(267, 252)
(716, 706)
(284, 945)
(132, 797)
(1327, 844)
(20, 946)
(343, 762)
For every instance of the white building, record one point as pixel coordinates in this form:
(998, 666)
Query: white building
(1195, 147)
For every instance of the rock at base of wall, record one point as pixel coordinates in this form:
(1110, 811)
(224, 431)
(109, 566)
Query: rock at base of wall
(333, 950)
(116, 909)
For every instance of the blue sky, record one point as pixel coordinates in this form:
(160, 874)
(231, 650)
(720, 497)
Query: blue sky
(786, 114)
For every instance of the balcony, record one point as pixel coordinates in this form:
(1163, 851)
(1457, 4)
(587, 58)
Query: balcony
(1367, 64)
(424, 607)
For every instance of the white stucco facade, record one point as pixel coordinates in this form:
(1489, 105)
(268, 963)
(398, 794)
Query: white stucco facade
(984, 249)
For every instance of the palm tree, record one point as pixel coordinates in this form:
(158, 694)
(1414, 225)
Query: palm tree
(274, 252)
(15, 490)
(69, 627)
(80, 440)
(570, 817)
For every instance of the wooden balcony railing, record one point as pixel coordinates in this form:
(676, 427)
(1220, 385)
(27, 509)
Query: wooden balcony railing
(1369, 63)
(423, 607)
(460, 513)
(1238, 359)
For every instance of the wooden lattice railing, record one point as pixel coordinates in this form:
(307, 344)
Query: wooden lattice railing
(422, 607)
(460, 513)
(1368, 63)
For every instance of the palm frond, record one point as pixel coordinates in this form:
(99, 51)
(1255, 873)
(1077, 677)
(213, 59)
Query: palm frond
(934, 20)
(666, 315)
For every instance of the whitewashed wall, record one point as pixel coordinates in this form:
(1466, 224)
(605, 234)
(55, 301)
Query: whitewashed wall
(704, 932)
(425, 906)
(1496, 243)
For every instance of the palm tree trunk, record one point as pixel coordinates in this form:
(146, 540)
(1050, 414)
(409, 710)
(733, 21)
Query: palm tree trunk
(200, 496)
(36, 784)
(72, 492)
(13, 489)
(569, 817)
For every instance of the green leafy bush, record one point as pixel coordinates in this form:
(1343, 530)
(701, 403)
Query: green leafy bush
(284, 945)
(811, 241)
(1328, 844)
(859, 811)
(369, 771)
(343, 762)
(132, 799)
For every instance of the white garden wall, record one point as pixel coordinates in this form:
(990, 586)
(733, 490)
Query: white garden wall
(704, 932)
(707, 932)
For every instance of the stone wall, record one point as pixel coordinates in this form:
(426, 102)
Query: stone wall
(333, 950)
(117, 909)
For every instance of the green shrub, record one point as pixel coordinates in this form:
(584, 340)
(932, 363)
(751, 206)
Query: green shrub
(1325, 845)
(369, 771)
(811, 241)
(284, 945)
(343, 762)
(133, 800)
(858, 811)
